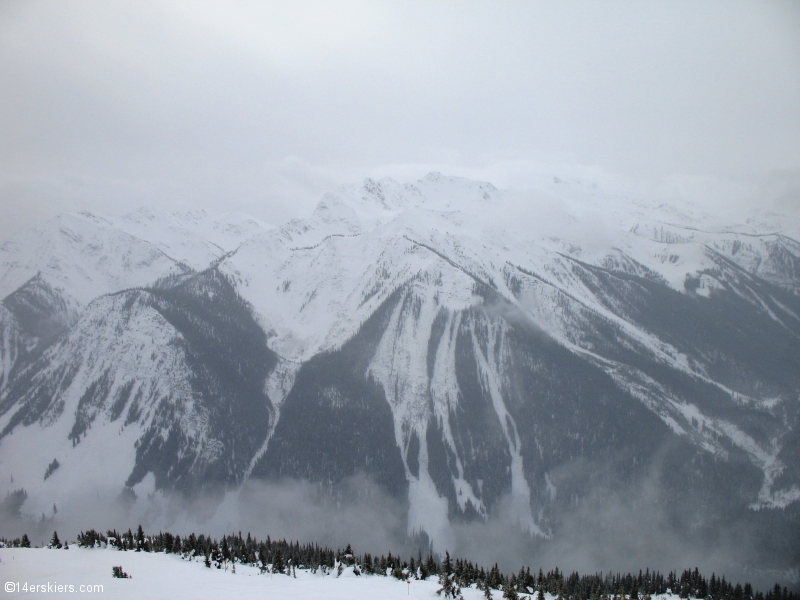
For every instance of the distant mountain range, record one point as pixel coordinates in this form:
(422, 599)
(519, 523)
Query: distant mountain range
(416, 334)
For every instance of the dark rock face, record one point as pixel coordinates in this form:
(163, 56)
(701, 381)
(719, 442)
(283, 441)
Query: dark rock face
(41, 312)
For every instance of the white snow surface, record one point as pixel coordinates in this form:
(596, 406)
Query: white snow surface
(314, 281)
(85, 255)
(158, 575)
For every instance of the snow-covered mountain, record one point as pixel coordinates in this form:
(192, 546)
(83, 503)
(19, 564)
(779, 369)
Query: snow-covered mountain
(463, 358)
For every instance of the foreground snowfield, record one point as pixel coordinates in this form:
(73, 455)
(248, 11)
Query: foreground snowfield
(169, 576)
(155, 575)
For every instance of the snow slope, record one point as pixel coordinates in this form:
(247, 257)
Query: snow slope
(314, 283)
(169, 576)
(85, 255)
(464, 355)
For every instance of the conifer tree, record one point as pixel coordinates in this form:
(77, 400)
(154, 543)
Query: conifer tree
(54, 541)
(449, 587)
(348, 557)
(430, 565)
(139, 538)
(226, 551)
(487, 592)
(423, 570)
(529, 581)
(277, 561)
(484, 587)
(510, 591)
(493, 578)
(447, 564)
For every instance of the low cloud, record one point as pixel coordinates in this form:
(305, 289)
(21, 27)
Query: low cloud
(619, 527)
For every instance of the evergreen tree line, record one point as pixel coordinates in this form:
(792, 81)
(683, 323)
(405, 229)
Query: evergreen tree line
(281, 556)
(22, 542)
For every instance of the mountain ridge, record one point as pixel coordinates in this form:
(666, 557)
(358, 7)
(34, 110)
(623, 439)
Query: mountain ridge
(400, 331)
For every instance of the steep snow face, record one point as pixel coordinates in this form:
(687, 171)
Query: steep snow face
(315, 281)
(194, 238)
(414, 333)
(315, 284)
(679, 253)
(82, 256)
(137, 384)
(90, 396)
(48, 275)
(30, 318)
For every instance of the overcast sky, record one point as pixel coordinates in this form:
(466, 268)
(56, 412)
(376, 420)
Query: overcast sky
(261, 107)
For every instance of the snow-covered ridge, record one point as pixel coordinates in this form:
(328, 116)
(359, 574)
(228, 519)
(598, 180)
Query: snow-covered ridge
(359, 232)
(86, 255)
(455, 310)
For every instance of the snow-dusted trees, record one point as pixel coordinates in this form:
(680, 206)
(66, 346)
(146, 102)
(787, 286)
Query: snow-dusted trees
(139, 538)
(453, 575)
(91, 538)
(277, 562)
(50, 468)
(54, 541)
(510, 591)
(118, 573)
(447, 580)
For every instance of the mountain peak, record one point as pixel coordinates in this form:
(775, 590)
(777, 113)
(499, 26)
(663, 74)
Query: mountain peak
(376, 202)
